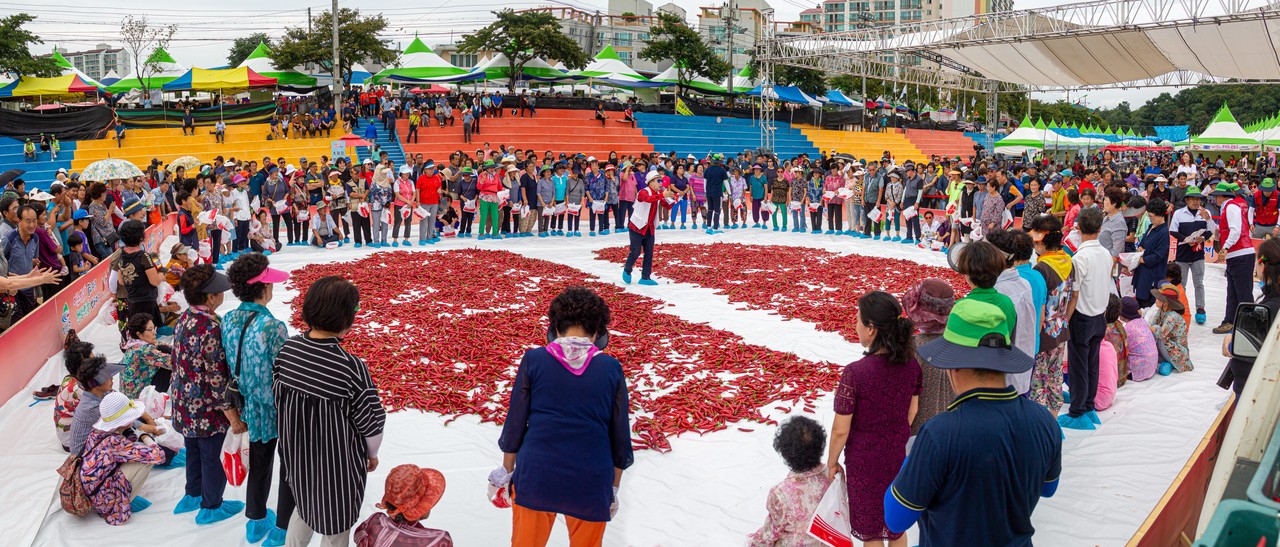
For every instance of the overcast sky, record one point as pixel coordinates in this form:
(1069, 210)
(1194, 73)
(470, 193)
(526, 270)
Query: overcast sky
(205, 30)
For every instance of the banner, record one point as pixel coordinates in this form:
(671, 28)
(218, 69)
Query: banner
(681, 108)
(29, 343)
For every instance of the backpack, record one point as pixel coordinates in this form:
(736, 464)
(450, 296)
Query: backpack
(71, 489)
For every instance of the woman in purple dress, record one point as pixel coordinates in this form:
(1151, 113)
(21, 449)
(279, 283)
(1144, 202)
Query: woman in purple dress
(875, 403)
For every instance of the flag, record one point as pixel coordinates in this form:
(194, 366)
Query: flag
(681, 108)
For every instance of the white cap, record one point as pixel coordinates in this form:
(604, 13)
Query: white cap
(591, 159)
(368, 161)
(62, 170)
(289, 169)
(405, 169)
(651, 176)
(229, 164)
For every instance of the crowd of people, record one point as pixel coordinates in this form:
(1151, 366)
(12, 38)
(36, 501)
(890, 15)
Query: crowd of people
(1069, 266)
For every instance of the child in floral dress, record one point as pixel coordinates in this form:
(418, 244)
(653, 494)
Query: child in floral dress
(793, 501)
(1171, 331)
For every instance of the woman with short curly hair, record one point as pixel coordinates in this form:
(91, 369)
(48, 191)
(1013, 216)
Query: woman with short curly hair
(568, 404)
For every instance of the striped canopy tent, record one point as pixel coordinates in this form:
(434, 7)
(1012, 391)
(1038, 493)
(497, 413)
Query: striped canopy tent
(260, 62)
(1223, 134)
(697, 82)
(166, 71)
(498, 67)
(1267, 132)
(225, 80)
(608, 69)
(418, 64)
(110, 78)
(742, 81)
(56, 87)
(359, 73)
(1026, 138)
(560, 66)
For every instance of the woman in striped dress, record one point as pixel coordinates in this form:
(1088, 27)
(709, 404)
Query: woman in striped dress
(330, 419)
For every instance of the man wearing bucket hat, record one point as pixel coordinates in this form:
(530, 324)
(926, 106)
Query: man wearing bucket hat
(1237, 245)
(1266, 210)
(410, 494)
(1191, 226)
(977, 471)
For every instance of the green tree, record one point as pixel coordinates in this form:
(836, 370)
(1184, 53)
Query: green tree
(145, 44)
(671, 39)
(15, 49)
(243, 46)
(807, 79)
(522, 37)
(357, 42)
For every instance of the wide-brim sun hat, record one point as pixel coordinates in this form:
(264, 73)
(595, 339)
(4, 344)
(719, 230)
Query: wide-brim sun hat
(412, 492)
(117, 411)
(976, 337)
(652, 176)
(1225, 189)
(1193, 192)
(1168, 294)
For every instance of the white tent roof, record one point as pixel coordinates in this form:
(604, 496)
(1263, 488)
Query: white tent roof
(1224, 134)
(1026, 137)
(608, 66)
(672, 76)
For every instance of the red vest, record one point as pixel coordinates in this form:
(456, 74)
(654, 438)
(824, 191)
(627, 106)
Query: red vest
(1235, 207)
(1265, 211)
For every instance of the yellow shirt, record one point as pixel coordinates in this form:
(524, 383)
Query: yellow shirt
(414, 119)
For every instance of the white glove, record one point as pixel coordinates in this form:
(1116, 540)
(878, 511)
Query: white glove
(500, 477)
(613, 507)
(499, 494)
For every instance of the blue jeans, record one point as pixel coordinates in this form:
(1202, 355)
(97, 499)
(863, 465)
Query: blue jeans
(205, 478)
(797, 218)
(681, 207)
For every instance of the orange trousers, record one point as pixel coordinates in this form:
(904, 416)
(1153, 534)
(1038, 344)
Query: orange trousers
(531, 528)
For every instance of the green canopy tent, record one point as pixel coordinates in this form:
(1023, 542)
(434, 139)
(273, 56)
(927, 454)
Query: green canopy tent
(167, 70)
(260, 61)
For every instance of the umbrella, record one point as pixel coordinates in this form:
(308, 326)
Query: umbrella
(50, 106)
(110, 169)
(8, 176)
(846, 157)
(186, 162)
(351, 139)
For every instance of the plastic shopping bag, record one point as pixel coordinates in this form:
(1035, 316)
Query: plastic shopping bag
(768, 207)
(793, 206)
(304, 215)
(845, 193)
(875, 214)
(154, 403)
(909, 213)
(1006, 220)
(170, 439)
(813, 207)
(575, 208)
(737, 204)
(546, 211)
(469, 205)
(830, 194)
(206, 250)
(597, 206)
(386, 216)
(420, 211)
(235, 457)
(830, 522)
(560, 208)
(363, 210)
(406, 212)
(281, 207)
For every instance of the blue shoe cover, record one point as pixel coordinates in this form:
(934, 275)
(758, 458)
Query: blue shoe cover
(179, 460)
(187, 504)
(139, 504)
(394, 244)
(255, 530)
(228, 509)
(1166, 368)
(1201, 318)
(626, 277)
(407, 244)
(275, 538)
(266, 252)
(1066, 397)
(649, 282)
(1092, 415)
(1079, 422)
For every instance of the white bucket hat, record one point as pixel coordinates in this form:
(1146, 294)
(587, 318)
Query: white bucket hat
(117, 410)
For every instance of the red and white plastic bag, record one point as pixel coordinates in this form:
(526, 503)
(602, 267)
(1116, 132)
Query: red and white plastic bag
(235, 457)
(830, 522)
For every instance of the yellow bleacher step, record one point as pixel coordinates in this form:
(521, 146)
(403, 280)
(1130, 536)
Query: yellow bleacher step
(167, 144)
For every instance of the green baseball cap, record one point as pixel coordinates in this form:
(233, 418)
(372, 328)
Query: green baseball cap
(976, 336)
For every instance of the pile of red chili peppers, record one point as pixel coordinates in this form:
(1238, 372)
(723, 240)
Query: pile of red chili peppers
(812, 285)
(444, 332)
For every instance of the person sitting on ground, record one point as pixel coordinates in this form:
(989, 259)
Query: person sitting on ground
(323, 230)
(145, 362)
(118, 458)
(410, 494)
(1173, 276)
(74, 353)
(1140, 344)
(1170, 330)
(792, 502)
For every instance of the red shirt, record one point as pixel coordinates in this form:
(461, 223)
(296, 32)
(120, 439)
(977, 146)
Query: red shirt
(653, 198)
(429, 188)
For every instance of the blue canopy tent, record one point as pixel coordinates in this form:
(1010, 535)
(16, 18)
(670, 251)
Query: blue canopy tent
(786, 93)
(838, 97)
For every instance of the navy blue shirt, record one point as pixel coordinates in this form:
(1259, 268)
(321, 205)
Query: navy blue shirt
(977, 470)
(568, 433)
(715, 175)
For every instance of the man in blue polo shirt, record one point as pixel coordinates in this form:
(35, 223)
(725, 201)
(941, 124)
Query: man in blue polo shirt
(976, 472)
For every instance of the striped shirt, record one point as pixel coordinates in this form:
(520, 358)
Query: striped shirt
(330, 423)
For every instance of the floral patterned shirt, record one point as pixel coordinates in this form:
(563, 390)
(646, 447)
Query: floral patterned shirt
(64, 408)
(1171, 333)
(791, 505)
(141, 361)
(262, 341)
(200, 374)
(101, 476)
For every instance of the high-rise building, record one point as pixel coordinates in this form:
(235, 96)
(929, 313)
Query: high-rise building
(100, 60)
(841, 15)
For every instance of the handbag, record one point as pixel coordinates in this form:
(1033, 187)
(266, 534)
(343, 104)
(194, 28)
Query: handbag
(75, 500)
(232, 395)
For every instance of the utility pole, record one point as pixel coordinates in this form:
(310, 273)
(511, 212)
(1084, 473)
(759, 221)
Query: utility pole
(337, 72)
(591, 41)
(730, 7)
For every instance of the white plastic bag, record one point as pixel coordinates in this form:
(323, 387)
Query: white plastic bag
(546, 211)
(909, 213)
(768, 207)
(794, 206)
(830, 194)
(830, 522)
(875, 214)
(304, 215)
(597, 206)
(170, 439)
(281, 207)
(235, 457)
(737, 204)
(845, 193)
(469, 205)
(406, 212)
(363, 210)
(560, 208)
(420, 211)
(154, 402)
(575, 208)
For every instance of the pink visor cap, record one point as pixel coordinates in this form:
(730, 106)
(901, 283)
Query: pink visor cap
(270, 275)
